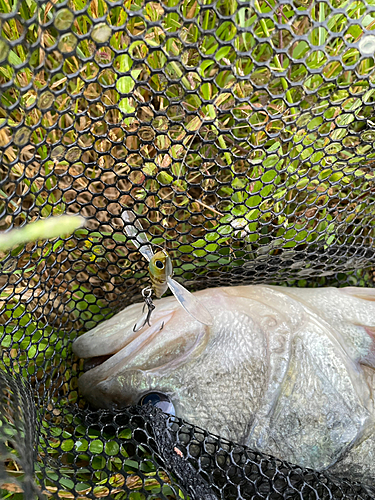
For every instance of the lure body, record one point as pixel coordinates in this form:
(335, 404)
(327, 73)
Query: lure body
(158, 272)
(161, 271)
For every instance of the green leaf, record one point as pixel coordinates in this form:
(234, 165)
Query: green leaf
(14, 59)
(52, 227)
(185, 249)
(269, 176)
(96, 446)
(126, 107)
(125, 84)
(223, 52)
(254, 201)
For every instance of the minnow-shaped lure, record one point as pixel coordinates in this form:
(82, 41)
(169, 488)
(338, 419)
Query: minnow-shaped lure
(161, 271)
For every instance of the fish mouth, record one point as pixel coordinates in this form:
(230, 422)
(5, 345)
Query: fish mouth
(114, 380)
(90, 363)
(136, 342)
(162, 346)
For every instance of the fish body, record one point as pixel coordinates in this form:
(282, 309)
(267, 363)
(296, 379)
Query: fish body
(287, 371)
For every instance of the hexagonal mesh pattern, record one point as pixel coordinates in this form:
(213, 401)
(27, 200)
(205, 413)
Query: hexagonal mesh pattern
(241, 134)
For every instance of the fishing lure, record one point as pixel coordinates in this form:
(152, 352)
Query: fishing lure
(161, 271)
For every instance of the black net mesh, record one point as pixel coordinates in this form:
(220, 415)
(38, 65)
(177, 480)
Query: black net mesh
(242, 135)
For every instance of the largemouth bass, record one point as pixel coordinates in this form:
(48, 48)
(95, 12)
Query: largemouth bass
(287, 371)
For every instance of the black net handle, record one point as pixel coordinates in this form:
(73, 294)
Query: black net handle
(188, 477)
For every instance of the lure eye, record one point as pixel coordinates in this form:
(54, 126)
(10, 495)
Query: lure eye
(159, 264)
(159, 400)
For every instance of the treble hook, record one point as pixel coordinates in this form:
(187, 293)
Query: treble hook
(146, 294)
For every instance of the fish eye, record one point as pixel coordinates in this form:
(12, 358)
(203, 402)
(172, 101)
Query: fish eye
(159, 400)
(159, 264)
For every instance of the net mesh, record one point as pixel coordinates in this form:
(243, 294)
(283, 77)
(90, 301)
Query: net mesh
(242, 136)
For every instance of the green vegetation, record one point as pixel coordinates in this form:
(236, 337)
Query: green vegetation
(261, 146)
(52, 227)
(232, 129)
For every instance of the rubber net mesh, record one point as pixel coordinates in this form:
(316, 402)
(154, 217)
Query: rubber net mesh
(241, 134)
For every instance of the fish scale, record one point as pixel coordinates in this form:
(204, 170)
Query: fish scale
(288, 372)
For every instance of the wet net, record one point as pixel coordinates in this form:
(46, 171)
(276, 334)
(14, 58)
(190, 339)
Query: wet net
(242, 135)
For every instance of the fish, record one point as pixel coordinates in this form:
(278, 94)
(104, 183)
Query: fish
(286, 371)
(161, 272)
